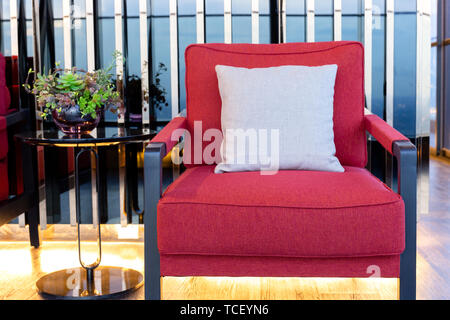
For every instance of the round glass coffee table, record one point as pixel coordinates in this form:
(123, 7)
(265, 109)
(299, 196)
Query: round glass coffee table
(90, 281)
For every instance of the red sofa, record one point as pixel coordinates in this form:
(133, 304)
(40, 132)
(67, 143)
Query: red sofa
(20, 196)
(292, 224)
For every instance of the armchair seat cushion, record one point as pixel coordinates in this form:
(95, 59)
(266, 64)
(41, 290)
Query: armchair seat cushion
(291, 214)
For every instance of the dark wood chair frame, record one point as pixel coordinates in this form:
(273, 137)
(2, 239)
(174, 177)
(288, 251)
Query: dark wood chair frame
(28, 202)
(404, 151)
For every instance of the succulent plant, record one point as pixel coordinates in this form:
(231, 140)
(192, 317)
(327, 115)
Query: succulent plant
(70, 82)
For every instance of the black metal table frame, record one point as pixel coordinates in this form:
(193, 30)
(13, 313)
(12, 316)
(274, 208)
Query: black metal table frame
(90, 291)
(89, 268)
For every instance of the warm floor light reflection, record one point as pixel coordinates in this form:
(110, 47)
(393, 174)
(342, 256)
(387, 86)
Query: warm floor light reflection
(15, 262)
(223, 288)
(21, 266)
(129, 232)
(62, 255)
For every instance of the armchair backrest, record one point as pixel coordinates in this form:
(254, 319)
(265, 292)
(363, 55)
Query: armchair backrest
(204, 102)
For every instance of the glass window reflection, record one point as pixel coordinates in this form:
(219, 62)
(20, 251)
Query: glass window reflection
(242, 21)
(405, 67)
(352, 20)
(295, 21)
(160, 31)
(378, 57)
(324, 20)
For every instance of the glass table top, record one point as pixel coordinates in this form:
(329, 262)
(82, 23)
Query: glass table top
(102, 136)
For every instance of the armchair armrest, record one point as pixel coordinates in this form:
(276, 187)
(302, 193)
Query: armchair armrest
(165, 135)
(384, 133)
(16, 117)
(406, 154)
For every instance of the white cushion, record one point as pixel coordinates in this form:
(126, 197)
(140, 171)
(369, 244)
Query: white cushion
(294, 101)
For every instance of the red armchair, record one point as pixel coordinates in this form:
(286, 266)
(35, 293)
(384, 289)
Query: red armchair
(294, 223)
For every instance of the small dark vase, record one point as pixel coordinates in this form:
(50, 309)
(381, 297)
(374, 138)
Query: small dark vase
(70, 120)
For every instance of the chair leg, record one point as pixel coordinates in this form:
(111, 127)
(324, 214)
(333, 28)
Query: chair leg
(408, 276)
(408, 260)
(32, 216)
(407, 184)
(30, 185)
(152, 267)
(152, 188)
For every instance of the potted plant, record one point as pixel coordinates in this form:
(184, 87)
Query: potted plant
(75, 99)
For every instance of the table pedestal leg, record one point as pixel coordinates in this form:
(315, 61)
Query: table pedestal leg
(89, 281)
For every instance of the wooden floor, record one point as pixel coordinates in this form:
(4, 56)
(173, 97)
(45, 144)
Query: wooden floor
(21, 266)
